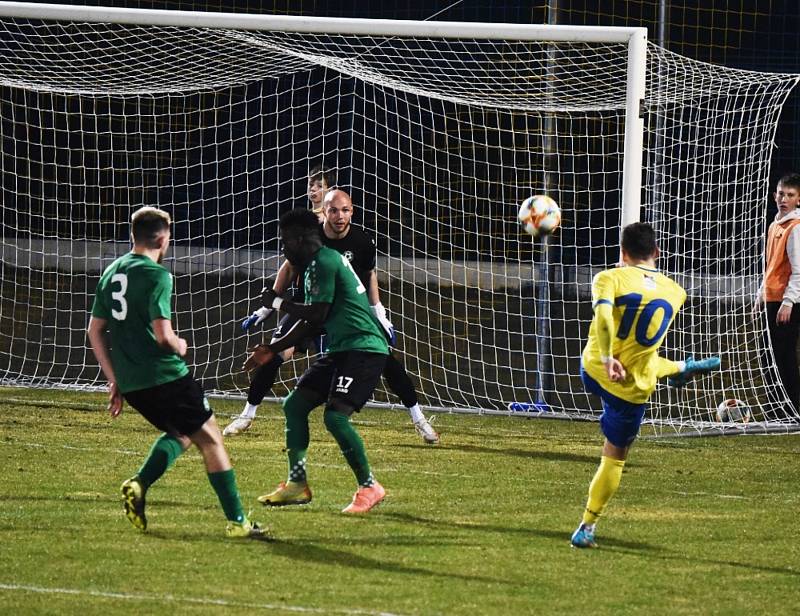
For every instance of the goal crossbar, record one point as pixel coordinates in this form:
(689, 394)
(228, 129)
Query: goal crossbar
(320, 25)
(636, 39)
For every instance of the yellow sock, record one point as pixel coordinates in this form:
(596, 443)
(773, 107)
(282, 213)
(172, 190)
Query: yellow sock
(603, 487)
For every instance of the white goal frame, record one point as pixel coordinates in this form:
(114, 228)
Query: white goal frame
(664, 103)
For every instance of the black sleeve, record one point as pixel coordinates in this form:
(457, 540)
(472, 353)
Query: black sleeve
(311, 319)
(364, 255)
(370, 253)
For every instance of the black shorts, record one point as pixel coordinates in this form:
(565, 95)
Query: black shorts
(178, 408)
(311, 344)
(346, 380)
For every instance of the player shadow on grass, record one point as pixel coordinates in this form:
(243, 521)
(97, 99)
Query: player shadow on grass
(558, 535)
(313, 552)
(609, 543)
(670, 555)
(556, 456)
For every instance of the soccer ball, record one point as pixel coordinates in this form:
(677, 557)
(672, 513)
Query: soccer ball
(539, 215)
(734, 411)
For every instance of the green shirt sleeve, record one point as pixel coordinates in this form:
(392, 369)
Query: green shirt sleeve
(161, 298)
(99, 308)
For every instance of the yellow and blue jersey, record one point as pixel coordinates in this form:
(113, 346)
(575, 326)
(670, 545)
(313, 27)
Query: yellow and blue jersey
(643, 304)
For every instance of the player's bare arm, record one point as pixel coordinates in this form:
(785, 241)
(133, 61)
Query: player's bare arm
(312, 317)
(373, 294)
(97, 339)
(784, 314)
(614, 369)
(286, 274)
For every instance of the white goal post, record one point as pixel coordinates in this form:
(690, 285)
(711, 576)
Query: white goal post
(438, 130)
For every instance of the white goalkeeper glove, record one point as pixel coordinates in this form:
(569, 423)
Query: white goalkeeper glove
(380, 313)
(257, 317)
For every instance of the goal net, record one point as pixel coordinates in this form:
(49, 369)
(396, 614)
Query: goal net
(437, 137)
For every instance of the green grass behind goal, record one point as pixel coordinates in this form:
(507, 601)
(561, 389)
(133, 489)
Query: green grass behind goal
(477, 525)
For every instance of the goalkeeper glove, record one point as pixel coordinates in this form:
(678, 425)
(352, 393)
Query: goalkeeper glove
(257, 317)
(380, 313)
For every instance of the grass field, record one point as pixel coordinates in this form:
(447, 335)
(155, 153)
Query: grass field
(478, 525)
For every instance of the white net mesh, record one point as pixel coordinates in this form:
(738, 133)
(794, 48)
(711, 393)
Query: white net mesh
(437, 141)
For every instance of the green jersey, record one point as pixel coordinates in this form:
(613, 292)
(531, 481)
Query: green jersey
(350, 325)
(132, 292)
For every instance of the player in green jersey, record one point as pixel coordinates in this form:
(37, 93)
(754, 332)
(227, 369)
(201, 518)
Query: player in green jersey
(344, 378)
(141, 356)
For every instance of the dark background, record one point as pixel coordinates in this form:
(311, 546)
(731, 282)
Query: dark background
(747, 34)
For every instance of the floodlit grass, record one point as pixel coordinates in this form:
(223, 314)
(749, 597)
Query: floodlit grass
(477, 525)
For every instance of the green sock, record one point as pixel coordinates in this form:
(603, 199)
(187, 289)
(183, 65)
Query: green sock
(296, 409)
(162, 455)
(350, 443)
(224, 484)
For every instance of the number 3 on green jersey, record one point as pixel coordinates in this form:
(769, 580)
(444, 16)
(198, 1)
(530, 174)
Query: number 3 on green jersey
(119, 296)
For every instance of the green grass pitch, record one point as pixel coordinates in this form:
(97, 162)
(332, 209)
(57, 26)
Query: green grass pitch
(477, 525)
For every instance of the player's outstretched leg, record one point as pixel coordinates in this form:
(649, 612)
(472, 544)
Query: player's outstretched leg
(163, 453)
(604, 485)
(263, 380)
(133, 502)
(222, 477)
(425, 430)
(692, 368)
(295, 490)
(400, 383)
(369, 492)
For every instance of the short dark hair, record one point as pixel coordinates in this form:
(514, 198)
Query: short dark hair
(299, 218)
(321, 173)
(790, 179)
(639, 240)
(147, 224)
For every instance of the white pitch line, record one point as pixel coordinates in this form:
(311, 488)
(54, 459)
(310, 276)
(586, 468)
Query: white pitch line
(194, 600)
(126, 452)
(730, 496)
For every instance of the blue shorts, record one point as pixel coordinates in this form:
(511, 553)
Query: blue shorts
(621, 419)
